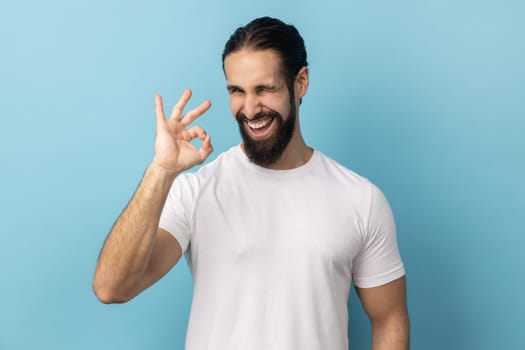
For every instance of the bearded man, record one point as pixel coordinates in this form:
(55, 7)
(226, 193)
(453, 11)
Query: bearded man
(274, 232)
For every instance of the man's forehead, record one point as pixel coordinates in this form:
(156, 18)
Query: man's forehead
(253, 66)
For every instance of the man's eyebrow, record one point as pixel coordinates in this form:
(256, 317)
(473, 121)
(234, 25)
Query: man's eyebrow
(232, 87)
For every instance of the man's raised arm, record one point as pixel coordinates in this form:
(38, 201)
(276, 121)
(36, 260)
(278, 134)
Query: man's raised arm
(136, 252)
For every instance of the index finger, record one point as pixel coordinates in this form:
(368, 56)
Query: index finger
(195, 113)
(179, 106)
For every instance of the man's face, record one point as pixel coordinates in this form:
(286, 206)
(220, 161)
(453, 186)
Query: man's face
(261, 102)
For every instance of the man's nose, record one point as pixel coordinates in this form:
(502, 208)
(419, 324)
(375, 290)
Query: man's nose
(252, 106)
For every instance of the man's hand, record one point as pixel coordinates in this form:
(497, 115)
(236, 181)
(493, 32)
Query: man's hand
(173, 150)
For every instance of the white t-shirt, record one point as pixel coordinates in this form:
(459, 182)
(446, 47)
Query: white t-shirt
(273, 252)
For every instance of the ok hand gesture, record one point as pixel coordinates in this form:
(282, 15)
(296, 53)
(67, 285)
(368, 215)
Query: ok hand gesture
(173, 150)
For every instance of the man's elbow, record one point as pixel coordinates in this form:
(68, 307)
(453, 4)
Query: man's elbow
(109, 295)
(396, 320)
(391, 332)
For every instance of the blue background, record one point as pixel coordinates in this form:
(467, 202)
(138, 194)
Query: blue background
(425, 98)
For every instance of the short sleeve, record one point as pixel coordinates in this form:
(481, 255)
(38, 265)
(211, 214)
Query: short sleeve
(175, 216)
(379, 261)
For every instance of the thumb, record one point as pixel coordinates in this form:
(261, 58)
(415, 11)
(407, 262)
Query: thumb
(159, 112)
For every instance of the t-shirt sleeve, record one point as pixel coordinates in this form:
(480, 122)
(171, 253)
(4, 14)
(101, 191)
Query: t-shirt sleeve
(175, 216)
(379, 261)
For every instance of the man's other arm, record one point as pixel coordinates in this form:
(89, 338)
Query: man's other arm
(386, 307)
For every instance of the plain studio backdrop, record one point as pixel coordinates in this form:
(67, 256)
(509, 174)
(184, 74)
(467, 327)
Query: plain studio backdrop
(424, 98)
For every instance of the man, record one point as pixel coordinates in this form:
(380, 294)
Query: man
(273, 231)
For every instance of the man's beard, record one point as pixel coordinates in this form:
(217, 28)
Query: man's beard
(268, 151)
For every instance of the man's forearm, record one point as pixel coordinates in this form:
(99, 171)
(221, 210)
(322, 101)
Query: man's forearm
(126, 252)
(391, 334)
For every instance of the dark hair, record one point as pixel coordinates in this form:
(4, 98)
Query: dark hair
(266, 33)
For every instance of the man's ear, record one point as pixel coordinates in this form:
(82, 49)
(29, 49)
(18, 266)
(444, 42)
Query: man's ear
(301, 82)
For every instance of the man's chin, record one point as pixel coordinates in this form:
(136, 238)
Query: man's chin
(263, 152)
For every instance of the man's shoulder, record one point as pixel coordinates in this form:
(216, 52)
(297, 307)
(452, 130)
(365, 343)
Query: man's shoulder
(343, 182)
(340, 173)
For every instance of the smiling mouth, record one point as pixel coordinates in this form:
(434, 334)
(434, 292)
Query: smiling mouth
(259, 124)
(260, 128)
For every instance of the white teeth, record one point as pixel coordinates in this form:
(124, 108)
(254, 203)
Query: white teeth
(259, 124)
